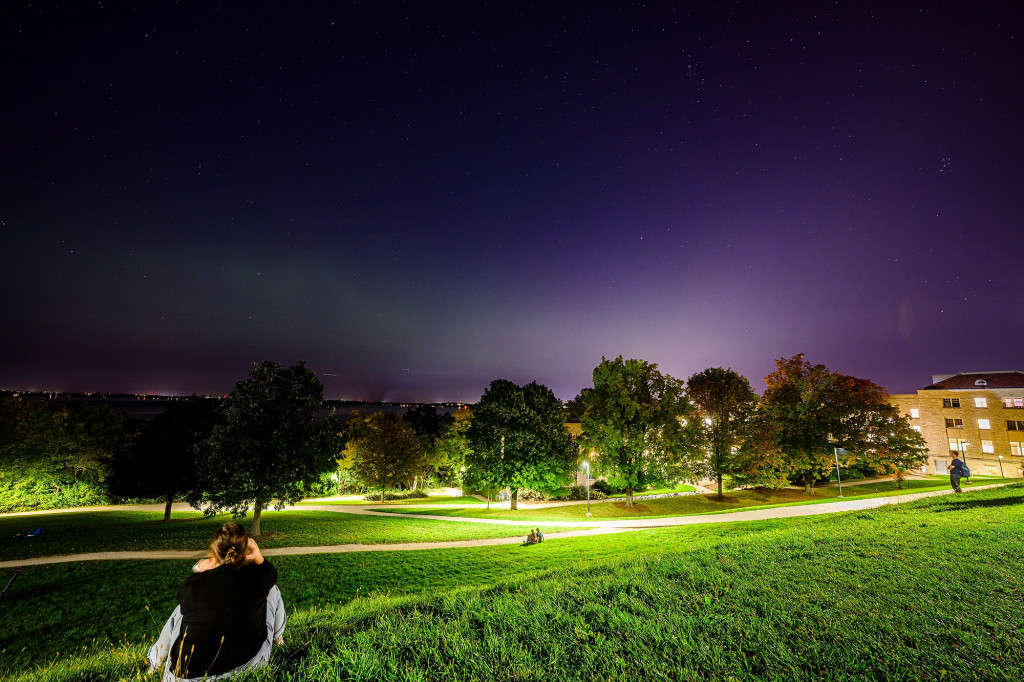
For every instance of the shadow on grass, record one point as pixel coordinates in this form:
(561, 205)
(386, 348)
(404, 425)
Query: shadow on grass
(960, 504)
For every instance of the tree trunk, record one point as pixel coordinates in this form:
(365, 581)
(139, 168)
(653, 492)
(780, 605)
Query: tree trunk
(515, 499)
(167, 506)
(808, 484)
(257, 509)
(629, 497)
(382, 495)
(720, 496)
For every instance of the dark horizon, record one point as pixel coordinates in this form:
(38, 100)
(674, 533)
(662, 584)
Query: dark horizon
(417, 201)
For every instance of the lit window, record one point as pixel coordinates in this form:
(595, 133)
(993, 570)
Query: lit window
(1016, 403)
(986, 446)
(951, 402)
(1015, 449)
(915, 413)
(980, 402)
(916, 428)
(983, 424)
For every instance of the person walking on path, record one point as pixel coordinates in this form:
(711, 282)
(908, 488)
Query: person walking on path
(956, 472)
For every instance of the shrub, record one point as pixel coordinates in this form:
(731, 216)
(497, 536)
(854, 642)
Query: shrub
(396, 495)
(606, 488)
(579, 492)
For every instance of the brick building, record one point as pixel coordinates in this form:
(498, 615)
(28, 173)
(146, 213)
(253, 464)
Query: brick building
(978, 413)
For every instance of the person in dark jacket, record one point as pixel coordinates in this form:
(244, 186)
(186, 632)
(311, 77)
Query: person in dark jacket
(229, 613)
(956, 472)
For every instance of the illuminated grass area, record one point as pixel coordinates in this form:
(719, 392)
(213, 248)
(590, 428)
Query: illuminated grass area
(860, 595)
(432, 500)
(136, 530)
(735, 500)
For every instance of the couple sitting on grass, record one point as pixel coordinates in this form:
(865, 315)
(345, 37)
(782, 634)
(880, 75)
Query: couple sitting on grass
(534, 537)
(229, 613)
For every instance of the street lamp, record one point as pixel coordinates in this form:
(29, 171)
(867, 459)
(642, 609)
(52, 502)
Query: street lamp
(835, 451)
(586, 468)
(960, 445)
(1001, 467)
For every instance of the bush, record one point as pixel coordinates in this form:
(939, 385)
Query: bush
(606, 488)
(579, 492)
(396, 495)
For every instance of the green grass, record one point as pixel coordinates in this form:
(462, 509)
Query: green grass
(860, 595)
(681, 488)
(735, 500)
(106, 531)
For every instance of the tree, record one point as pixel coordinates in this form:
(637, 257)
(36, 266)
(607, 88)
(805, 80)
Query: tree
(385, 451)
(448, 453)
(57, 456)
(518, 440)
(162, 462)
(267, 445)
(722, 403)
(892, 445)
(632, 421)
(815, 411)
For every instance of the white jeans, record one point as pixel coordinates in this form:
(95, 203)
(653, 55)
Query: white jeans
(276, 620)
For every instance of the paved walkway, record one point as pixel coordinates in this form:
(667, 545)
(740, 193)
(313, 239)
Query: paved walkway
(599, 528)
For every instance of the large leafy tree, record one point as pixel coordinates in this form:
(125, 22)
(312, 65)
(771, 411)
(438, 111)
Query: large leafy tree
(385, 451)
(162, 462)
(267, 445)
(722, 403)
(57, 456)
(518, 440)
(632, 422)
(447, 454)
(814, 411)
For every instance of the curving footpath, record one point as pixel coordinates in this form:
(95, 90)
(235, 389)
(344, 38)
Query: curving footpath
(599, 528)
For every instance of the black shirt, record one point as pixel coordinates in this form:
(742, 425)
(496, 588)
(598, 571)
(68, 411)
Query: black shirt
(222, 603)
(958, 467)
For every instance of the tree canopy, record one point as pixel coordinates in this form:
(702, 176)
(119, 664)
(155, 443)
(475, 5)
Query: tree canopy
(518, 440)
(385, 451)
(632, 422)
(267, 445)
(163, 461)
(814, 411)
(722, 403)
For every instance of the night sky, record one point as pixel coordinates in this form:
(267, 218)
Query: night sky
(419, 199)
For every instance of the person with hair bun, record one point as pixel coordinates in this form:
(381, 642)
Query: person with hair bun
(229, 614)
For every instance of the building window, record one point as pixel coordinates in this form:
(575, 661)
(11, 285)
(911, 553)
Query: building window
(1015, 449)
(951, 402)
(983, 424)
(1013, 403)
(958, 445)
(1011, 425)
(986, 446)
(916, 428)
(915, 413)
(954, 423)
(980, 402)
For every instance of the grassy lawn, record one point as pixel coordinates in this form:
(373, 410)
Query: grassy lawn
(137, 530)
(681, 488)
(860, 595)
(735, 500)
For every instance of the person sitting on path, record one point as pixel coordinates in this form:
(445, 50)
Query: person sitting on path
(229, 614)
(540, 535)
(531, 539)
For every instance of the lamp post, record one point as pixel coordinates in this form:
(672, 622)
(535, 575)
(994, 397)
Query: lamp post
(960, 445)
(835, 451)
(1001, 467)
(586, 468)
